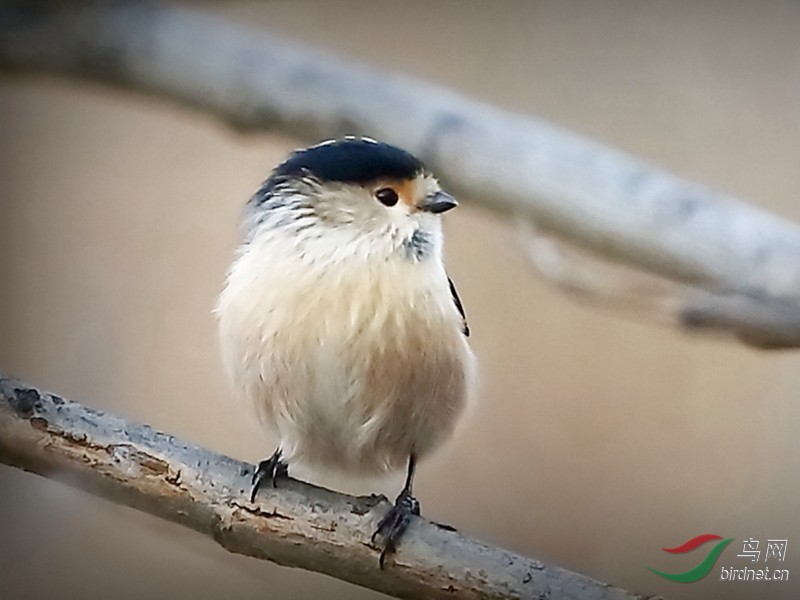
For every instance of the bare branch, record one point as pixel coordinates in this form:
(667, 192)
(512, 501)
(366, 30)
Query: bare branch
(768, 323)
(599, 198)
(297, 524)
(764, 322)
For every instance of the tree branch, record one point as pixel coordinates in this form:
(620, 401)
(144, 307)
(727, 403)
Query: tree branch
(757, 320)
(297, 524)
(597, 197)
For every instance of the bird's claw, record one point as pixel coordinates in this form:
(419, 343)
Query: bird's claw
(394, 523)
(270, 469)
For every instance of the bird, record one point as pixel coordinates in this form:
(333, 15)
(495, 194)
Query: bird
(338, 323)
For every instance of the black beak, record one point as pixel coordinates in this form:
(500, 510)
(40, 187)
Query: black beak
(438, 202)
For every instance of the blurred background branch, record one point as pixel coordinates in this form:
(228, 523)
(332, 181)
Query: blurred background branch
(296, 524)
(736, 266)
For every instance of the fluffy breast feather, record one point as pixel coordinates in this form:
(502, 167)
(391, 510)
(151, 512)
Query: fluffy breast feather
(356, 364)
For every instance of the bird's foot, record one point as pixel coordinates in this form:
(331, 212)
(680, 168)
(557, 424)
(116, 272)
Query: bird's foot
(270, 469)
(394, 523)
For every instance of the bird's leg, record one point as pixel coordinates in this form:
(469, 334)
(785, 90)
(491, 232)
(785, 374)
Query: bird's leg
(395, 522)
(271, 468)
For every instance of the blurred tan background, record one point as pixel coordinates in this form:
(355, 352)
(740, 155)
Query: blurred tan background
(598, 440)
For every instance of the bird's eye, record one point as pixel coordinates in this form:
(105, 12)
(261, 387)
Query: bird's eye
(387, 196)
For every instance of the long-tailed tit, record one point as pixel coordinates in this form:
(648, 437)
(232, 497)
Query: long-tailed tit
(338, 322)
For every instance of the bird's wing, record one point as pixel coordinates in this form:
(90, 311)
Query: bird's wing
(459, 306)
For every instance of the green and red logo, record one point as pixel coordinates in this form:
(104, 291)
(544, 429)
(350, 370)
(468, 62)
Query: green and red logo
(703, 568)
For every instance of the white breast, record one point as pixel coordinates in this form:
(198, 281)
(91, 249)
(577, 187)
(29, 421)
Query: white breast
(354, 363)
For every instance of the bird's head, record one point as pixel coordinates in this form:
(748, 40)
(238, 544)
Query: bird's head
(354, 191)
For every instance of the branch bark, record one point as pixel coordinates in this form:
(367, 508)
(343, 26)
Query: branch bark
(297, 524)
(592, 195)
(757, 320)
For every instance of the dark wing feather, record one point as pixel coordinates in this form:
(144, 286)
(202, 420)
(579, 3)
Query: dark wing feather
(459, 306)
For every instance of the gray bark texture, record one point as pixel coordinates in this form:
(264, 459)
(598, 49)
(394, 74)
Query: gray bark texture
(744, 262)
(295, 524)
